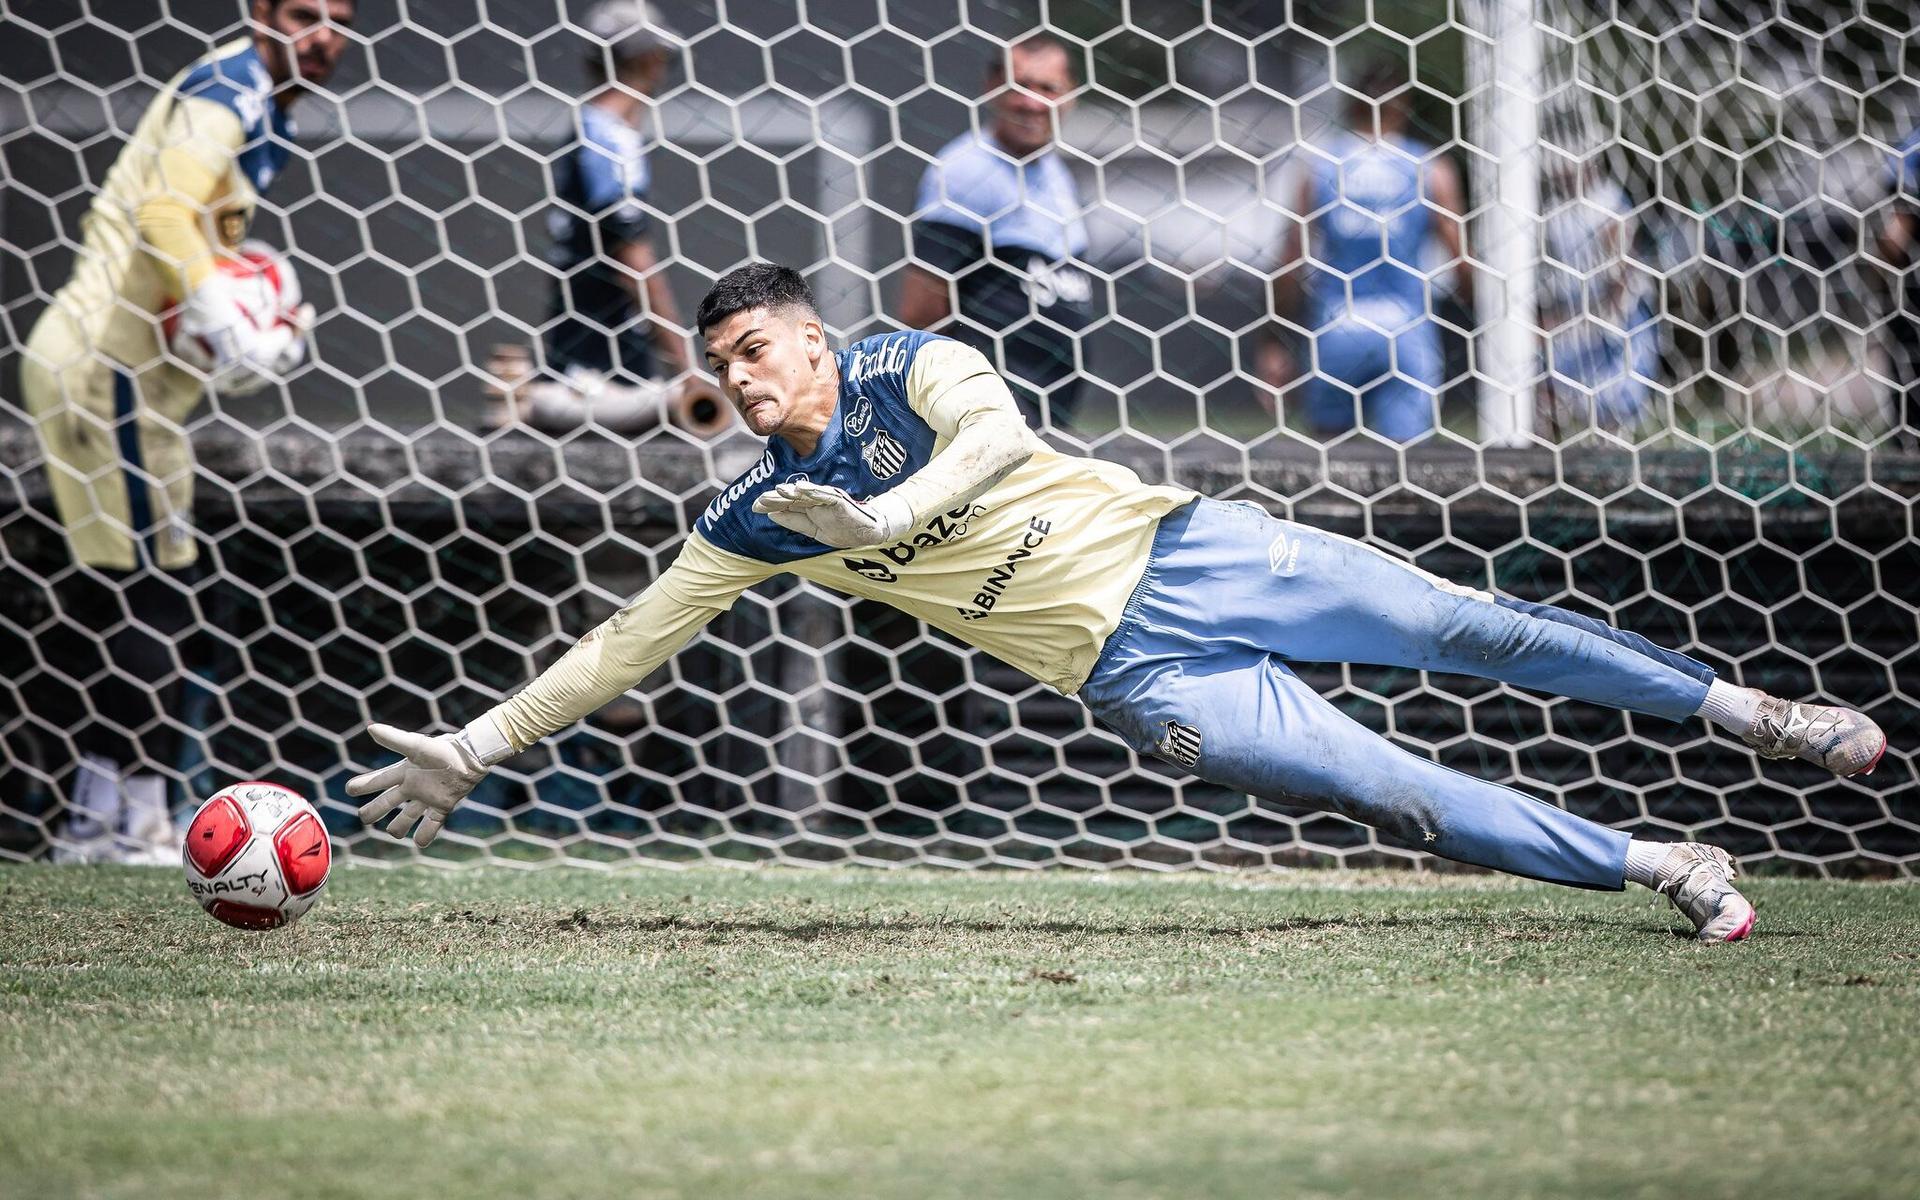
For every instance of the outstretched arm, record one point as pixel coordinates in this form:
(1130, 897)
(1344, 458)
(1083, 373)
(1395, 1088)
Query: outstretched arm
(437, 771)
(962, 398)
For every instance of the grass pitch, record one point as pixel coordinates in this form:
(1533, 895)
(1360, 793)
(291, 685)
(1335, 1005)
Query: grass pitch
(852, 1034)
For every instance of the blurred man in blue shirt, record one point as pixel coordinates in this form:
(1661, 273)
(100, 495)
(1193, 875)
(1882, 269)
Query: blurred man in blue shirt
(1372, 200)
(998, 234)
(612, 311)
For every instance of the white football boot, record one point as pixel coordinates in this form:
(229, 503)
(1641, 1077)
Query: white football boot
(1841, 740)
(1699, 881)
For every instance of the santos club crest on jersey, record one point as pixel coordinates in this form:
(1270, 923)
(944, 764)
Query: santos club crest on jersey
(885, 455)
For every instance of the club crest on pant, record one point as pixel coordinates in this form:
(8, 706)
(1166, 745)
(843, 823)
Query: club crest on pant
(1180, 744)
(884, 455)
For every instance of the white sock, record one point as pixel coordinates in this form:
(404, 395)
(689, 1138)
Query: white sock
(1731, 708)
(95, 811)
(1644, 859)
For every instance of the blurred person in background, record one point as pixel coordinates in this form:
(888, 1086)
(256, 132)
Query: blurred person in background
(614, 351)
(1596, 308)
(998, 233)
(1900, 245)
(1371, 202)
(109, 395)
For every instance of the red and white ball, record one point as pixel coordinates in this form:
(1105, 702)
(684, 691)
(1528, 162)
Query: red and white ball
(264, 284)
(257, 856)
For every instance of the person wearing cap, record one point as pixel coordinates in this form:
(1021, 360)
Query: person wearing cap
(613, 326)
(999, 234)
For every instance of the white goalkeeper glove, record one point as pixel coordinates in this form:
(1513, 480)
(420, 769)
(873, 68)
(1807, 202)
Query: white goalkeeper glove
(431, 780)
(833, 518)
(218, 336)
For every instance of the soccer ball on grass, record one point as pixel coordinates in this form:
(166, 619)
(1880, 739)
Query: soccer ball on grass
(256, 856)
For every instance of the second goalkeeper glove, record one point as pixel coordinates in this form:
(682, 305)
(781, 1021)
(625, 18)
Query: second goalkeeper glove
(833, 518)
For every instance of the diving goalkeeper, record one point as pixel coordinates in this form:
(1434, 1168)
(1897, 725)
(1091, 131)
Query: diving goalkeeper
(899, 470)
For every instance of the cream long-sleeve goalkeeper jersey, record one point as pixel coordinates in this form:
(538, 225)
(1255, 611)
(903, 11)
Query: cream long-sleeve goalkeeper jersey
(182, 190)
(1035, 570)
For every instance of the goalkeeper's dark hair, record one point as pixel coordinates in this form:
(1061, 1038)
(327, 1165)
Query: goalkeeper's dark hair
(756, 285)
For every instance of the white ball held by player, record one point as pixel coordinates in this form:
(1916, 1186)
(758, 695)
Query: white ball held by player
(256, 856)
(245, 326)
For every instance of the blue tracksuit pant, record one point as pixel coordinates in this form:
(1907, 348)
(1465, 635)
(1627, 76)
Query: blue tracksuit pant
(1197, 672)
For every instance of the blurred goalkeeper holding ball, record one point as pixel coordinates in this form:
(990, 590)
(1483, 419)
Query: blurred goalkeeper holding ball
(899, 470)
(165, 301)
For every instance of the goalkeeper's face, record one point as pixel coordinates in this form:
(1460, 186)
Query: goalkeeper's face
(774, 365)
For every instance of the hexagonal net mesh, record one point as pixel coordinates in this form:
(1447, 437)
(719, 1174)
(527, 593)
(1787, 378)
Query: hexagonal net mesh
(1654, 378)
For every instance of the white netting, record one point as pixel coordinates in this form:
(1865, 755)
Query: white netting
(1707, 189)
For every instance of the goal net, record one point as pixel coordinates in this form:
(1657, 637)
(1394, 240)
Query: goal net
(1662, 391)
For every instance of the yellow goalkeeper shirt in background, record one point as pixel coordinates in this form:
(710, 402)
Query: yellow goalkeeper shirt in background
(1035, 571)
(109, 405)
(183, 188)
